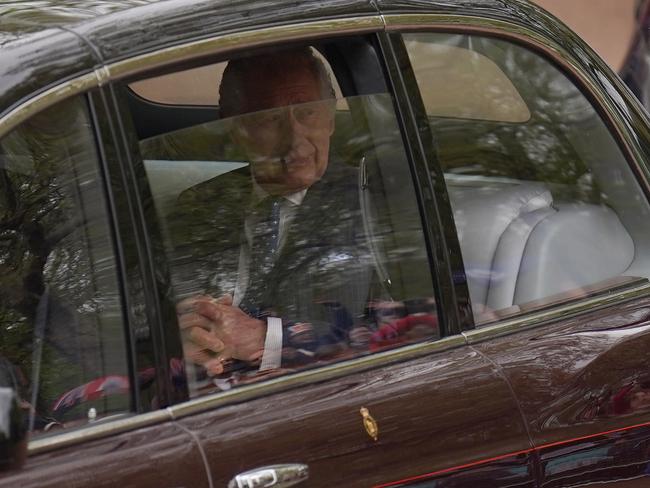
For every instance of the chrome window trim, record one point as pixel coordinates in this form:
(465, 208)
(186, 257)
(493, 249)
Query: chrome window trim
(305, 31)
(97, 430)
(532, 320)
(310, 376)
(239, 394)
(46, 99)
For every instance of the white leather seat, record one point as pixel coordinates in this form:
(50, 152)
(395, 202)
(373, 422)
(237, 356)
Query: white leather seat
(518, 246)
(576, 246)
(483, 213)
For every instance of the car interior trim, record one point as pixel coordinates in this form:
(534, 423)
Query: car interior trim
(527, 37)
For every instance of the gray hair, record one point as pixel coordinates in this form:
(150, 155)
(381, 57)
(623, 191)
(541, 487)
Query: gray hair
(232, 95)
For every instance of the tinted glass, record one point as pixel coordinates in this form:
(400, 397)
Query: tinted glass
(299, 214)
(60, 312)
(546, 207)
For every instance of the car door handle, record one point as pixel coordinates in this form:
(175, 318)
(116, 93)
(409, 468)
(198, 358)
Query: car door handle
(276, 476)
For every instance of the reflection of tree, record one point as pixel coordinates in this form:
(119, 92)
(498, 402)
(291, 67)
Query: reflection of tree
(49, 252)
(545, 148)
(61, 11)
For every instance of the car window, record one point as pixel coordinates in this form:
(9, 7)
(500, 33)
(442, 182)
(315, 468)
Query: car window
(60, 313)
(546, 207)
(292, 207)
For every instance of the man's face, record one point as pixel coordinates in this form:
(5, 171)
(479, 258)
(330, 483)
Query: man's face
(286, 130)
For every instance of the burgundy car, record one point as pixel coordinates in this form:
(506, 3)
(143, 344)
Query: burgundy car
(468, 301)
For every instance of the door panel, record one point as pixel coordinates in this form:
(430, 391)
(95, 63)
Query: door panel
(582, 386)
(160, 456)
(436, 413)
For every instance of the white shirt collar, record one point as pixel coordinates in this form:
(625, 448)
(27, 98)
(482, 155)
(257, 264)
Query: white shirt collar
(260, 194)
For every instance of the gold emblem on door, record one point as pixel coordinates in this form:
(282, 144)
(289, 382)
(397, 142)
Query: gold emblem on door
(369, 423)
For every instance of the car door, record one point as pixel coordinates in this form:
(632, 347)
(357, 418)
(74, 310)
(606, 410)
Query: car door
(73, 301)
(402, 399)
(550, 213)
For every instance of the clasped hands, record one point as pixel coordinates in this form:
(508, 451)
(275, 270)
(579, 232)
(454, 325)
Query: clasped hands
(214, 332)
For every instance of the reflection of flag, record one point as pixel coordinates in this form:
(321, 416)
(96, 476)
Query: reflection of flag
(97, 388)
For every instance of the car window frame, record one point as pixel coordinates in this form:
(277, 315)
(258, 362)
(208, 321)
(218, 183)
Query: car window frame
(283, 40)
(558, 56)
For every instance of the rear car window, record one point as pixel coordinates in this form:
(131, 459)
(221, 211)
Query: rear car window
(546, 207)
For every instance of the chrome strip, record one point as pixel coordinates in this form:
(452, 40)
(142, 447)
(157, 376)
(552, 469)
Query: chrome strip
(46, 99)
(517, 324)
(206, 47)
(191, 50)
(209, 402)
(311, 376)
(98, 430)
(526, 36)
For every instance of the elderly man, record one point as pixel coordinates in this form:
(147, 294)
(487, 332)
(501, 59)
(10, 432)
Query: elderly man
(280, 240)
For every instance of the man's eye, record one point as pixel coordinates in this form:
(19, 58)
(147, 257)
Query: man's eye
(269, 119)
(304, 113)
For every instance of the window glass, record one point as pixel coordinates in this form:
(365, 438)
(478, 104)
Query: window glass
(291, 224)
(60, 315)
(546, 207)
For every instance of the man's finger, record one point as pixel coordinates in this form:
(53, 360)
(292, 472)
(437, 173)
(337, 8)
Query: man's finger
(196, 355)
(189, 304)
(194, 320)
(205, 339)
(225, 299)
(209, 309)
(214, 366)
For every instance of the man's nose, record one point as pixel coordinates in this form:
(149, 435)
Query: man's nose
(294, 125)
(296, 131)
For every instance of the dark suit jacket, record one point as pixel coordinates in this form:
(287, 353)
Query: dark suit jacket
(323, 274)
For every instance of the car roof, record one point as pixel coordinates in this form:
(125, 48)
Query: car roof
(45, 42)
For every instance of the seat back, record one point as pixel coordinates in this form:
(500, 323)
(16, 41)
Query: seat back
(579, 245)
(493, 220)
(518, 246)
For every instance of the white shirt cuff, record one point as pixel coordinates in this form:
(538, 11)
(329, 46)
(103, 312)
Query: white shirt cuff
(272, 356)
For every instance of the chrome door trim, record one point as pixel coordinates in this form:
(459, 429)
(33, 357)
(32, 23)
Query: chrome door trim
(98, 430)
(190, 50)
(310, 376)
(239, 394)
(529, 38)
(355, 365)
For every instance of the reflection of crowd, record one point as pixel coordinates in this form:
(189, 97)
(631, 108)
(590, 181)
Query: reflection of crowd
(630, 398)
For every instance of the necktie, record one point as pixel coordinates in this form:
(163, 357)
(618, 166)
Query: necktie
(265, 236)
